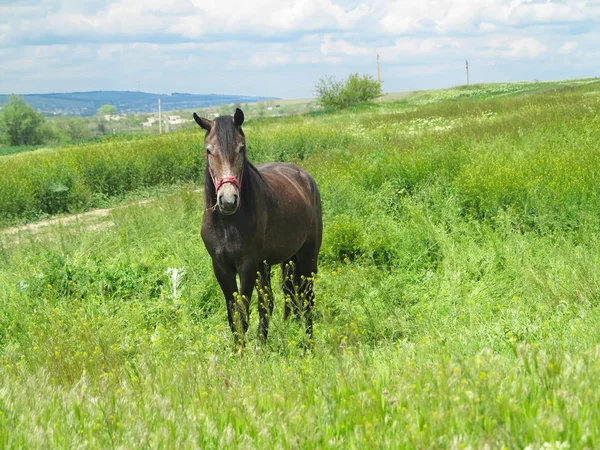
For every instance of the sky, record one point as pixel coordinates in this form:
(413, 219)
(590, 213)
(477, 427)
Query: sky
(281, 48)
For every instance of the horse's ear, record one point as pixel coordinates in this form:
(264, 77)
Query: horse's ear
(238, 117)
(204, 123)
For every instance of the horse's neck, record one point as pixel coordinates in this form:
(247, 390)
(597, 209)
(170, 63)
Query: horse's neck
(250, 189)
(210, 196)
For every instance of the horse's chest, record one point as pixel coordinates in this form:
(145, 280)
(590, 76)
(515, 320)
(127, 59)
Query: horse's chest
(226, 243)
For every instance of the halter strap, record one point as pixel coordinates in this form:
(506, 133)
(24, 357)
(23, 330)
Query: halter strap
(221, 181)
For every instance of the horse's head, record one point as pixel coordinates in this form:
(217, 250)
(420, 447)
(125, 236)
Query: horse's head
(225, 146)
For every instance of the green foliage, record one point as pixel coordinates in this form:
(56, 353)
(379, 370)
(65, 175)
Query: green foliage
(9, 150)
(487, 91)
(457, 299)
(73, 178)
(332, 93)
(107, 110)
(72, 129)
(20, 123)
(344, 239)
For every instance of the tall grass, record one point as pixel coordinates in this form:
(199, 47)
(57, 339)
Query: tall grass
(72, 179)
(457, 297)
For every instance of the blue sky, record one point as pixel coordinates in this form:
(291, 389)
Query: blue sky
(282, 47)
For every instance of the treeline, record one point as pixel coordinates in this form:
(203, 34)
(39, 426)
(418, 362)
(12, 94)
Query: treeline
(22, 125)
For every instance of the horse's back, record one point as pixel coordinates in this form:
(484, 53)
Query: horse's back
(295, 209)
(291, 181)
(286, 172)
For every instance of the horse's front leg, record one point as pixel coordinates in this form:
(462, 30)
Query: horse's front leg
(227, 281)
(248, 277)
(265, 300)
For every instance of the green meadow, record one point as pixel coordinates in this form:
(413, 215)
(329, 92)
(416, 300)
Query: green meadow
(457, 299)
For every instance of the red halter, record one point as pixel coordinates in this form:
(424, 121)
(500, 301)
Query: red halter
(222, 181)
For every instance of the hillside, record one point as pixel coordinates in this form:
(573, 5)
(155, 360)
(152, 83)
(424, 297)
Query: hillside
(87, 103)
(457, 299)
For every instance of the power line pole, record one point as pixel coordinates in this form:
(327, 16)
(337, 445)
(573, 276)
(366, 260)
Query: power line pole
(159, 117)
(467, 73)
(379, 76)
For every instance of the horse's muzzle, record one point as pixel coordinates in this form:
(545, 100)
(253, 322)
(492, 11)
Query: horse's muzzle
(228, 199)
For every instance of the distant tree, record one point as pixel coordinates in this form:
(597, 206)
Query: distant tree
(20, 123)
(101, 126)
(104, 110)
(329, 92)
(135, 120)
(107, 110)
(73, 128)
(332, 93)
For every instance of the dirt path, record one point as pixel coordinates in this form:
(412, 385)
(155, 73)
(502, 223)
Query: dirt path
(87, 218)
(36, 227)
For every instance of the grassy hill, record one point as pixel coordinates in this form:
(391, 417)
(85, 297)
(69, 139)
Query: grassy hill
(457, 302)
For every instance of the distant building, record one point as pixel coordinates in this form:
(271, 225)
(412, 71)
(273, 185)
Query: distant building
(149, 122)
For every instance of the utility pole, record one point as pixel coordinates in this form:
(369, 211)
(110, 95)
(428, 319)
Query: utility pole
(159, 117)
(379, 75)
(467, 73)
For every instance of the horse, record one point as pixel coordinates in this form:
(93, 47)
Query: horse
(256, 217)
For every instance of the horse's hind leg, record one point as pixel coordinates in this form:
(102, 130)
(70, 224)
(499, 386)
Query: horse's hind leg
(290, 287)
(307, 269)
(298, 285)
(306, 300)
(265, 300)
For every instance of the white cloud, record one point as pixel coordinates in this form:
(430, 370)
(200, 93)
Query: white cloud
(420, 47)
(410, 16)
(508, 47)
(342, 47)
(485, 27)
(529, 12)
(525, 48)
(308, 58)
(183, 19)
(568, 47)
(51, 45)
(443, 16)
(264, 59)
(263, 17)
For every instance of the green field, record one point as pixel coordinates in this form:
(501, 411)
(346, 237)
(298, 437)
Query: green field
(457, 302)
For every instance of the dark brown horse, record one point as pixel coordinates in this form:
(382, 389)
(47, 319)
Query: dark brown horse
(256, 217)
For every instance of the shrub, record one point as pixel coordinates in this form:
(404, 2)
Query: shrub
(72, 129)
(21, 124)
(332, 93)
(344, 239)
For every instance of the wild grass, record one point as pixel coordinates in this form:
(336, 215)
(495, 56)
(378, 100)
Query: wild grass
(457, 298)
(8, 150)
(73, 179)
